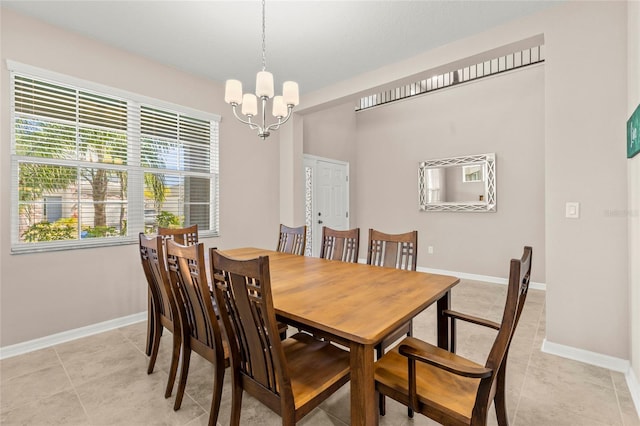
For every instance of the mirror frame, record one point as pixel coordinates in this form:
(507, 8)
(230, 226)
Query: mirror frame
(490, 203)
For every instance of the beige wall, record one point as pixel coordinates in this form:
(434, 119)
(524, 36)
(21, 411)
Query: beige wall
(502, 114)
(633, 79)
(46, 293)
(585, 108)
(331, 133)
(587, 265)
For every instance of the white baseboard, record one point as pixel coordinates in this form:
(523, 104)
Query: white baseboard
(588, 357)
(476, 277)
(66, 336)
(634, 388)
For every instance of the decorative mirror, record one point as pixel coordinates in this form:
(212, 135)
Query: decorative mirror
(465, 183)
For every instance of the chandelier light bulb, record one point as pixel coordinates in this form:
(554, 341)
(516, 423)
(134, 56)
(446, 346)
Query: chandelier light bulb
(233, 92)
(279, 107)
(249, 104)
(290, 93)
(264, 84)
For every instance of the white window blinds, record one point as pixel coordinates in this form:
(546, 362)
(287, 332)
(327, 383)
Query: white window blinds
(113, 164)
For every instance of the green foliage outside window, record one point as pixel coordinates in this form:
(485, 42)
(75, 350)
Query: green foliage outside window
(169, 220)
(62, 229)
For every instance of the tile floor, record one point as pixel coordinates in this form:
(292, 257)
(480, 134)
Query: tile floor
(102, 380)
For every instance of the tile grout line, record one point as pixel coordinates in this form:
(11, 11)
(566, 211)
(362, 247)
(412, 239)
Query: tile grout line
(615, 392)
(526, 369)
(206, 412)
(73, 386)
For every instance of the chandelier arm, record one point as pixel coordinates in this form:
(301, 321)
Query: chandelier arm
(251, 125)
(276, 126)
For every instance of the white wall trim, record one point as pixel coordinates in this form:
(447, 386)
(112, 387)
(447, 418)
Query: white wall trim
(66, 336)
(634, 388)
(588, 357)
(476, 277)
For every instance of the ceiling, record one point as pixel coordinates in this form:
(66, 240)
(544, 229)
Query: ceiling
(315, 43)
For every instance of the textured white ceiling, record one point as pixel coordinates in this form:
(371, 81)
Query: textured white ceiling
(315, 43)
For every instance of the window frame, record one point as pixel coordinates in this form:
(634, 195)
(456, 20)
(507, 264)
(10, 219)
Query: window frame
(135, 190)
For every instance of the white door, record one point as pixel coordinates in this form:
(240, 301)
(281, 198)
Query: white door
(329, 197)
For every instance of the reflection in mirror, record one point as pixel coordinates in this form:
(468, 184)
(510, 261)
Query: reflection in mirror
(473, 173)
(458, 184)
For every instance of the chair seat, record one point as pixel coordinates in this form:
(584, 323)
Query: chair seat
(315, 366)
(438, 390)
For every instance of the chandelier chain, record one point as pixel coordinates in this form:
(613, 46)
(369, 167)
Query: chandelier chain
(264, 42)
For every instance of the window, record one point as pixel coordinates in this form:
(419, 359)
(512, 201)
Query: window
(95, 166)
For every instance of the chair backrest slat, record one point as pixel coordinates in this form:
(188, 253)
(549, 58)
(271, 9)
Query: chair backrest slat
(243, 293)
(152, 257)
(186, 236)
(187, 273)
(340, 245)
(398, 251)
(292, 240)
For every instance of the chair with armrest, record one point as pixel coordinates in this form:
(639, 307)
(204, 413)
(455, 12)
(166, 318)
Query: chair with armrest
(340, 245)
(292, 240)
(292, 376)
(201, 330)
(448, 388)
(163, 312)
(398, 251)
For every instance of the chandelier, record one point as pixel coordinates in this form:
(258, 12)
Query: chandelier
(282, 105)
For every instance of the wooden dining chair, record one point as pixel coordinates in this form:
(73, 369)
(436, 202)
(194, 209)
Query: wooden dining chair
(292, 240)
(292, 376)
(200, 327)
(340, 245)
(399, 251)
(446, 387)
(393, 251)
(164, 312)
(185, 236)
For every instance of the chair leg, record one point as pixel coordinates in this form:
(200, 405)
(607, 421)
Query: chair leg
(175, 357)
(218, 379)
(499, 400)
(150, 326)
(184, 372)
(236, 402)
(156, 333)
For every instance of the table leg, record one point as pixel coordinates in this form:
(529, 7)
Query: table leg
(444, 332)
(364, 407)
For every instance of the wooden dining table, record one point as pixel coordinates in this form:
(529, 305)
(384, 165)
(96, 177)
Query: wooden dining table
(355, 305)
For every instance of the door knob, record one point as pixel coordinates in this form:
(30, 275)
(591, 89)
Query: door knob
(320, 221)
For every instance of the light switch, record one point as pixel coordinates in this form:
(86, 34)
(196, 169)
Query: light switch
(572, 210)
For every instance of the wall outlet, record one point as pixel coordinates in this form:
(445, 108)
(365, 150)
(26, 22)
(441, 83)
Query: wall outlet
(430, 249)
